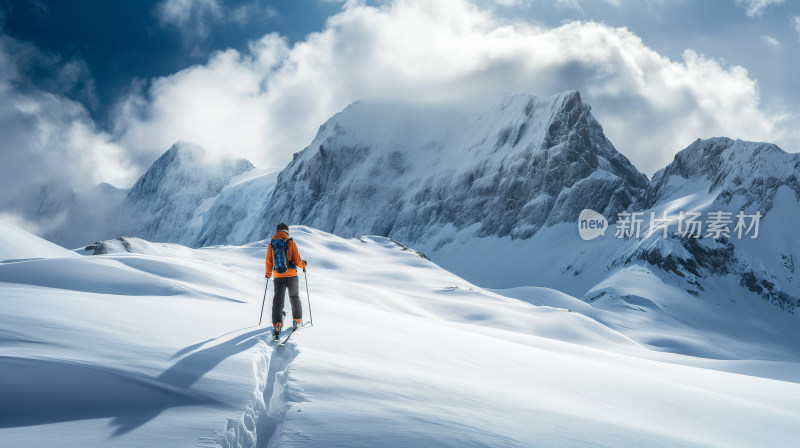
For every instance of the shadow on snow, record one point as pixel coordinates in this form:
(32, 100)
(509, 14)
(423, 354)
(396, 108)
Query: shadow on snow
(38, 391)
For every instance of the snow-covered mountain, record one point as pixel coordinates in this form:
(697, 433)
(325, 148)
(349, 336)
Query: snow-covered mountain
(164, 200)
(494, 193)
(731, 177)
(186, 195)
(491, 192)
(742, 174)
(412, 171)
(232, 215)
(156, 344)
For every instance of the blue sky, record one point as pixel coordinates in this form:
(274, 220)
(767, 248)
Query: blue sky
(95, 90)
(121, 41)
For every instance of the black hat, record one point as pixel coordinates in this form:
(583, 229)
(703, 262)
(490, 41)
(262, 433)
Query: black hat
(282, 226)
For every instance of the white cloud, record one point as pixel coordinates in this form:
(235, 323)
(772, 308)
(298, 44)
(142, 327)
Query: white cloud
(194, 18)
(771, 41)
(576, 4)
(503, 2)
(269, 102)
(223, 105)
(251, 12)
(179, 12)
(47, 137)
(756, 7)
(569, 4)
(17, 220)
(796, 20)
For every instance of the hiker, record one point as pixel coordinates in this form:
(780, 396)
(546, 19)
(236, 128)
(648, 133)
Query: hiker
(283, 259)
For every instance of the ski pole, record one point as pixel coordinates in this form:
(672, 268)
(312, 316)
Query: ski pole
(262, 303)
(308, 296)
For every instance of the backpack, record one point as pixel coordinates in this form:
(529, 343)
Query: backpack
(280, 255)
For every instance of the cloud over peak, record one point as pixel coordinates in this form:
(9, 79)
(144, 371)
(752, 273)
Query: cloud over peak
(269, 101)
(46, 136)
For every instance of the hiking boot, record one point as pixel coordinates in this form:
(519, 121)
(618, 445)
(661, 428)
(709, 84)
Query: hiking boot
(296, 324)
(276, 331)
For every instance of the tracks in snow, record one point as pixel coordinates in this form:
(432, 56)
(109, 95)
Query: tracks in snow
(276, 396)
(259, 425)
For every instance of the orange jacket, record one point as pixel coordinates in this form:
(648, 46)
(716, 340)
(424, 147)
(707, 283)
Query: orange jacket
(294, 257)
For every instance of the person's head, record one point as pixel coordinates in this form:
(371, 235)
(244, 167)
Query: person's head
(283, 226)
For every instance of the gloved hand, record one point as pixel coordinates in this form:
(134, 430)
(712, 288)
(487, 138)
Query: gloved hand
(305, 265)
(266, 276)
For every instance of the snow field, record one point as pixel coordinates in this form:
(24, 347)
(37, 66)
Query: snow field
(162, 349)
(426, 361)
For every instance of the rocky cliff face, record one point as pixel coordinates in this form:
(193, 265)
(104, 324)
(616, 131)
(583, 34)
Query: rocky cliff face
(407, 172)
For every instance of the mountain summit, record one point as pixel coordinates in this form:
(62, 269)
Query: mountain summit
(750, 171)
(735, 180)
(409, 171)
(163, 201)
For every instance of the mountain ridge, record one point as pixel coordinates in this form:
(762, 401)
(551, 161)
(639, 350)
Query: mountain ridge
(503, 191)
(726, 164)
(510, 177)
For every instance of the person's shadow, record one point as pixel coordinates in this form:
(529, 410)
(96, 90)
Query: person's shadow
(184, 373)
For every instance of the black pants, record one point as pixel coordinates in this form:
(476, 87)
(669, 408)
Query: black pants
(281, 283)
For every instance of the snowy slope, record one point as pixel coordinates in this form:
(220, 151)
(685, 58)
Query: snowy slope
(160, 349)
(16, 243)
(90, 349)
(654, 309)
